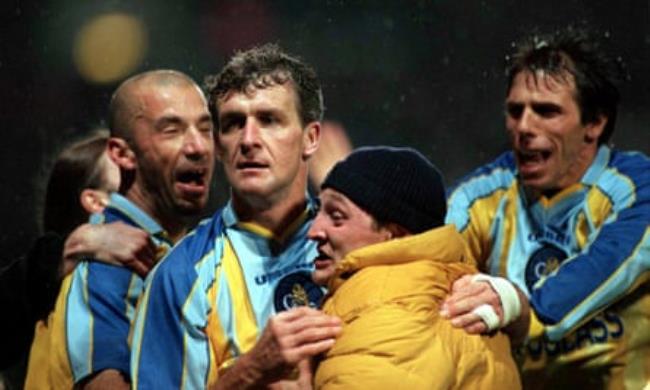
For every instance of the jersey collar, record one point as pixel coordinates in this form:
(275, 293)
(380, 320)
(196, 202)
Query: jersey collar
(128, 210)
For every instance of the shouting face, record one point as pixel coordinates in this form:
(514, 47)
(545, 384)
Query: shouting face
(174, 148)
(552, 146)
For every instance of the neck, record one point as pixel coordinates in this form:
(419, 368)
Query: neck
(275, 216)
(174, 225)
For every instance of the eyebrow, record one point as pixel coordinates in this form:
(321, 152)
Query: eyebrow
(167, 120)
(173, 119)
(231, 115)
(205, 118)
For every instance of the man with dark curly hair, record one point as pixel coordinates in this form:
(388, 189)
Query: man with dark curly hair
(233, 305)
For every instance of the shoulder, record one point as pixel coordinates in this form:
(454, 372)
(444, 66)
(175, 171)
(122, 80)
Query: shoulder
(483, 181)
(633, 165)
(182, 263)
(626, 179)
(482, 189)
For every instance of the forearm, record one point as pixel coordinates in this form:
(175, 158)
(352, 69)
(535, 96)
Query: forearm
(245, 373)
(518, 330)
(79, 244)
(289, 339)
(612, 267)
(114, 243)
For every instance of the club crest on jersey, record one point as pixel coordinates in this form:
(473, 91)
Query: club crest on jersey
(544, 261)
(296, 290)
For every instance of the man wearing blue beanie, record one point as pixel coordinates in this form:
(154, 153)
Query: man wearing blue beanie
(389, 261)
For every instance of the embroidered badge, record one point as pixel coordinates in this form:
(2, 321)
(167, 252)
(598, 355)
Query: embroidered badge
(544, 261)
(296, 290)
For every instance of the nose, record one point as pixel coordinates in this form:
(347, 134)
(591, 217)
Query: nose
(250, 135)
(316, 231)
(197, 144)
(522, 126)
(525, 122)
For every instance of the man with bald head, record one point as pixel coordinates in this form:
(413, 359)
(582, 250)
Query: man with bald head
(162, 141)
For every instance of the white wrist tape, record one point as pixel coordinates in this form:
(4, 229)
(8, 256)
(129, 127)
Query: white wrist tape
(507, 295)
(488, 315)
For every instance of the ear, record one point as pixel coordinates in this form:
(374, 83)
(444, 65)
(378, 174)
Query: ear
(396, 231)
(93, 201)
(311, 139)
(594, 129)
(121, 153)
(392, 231)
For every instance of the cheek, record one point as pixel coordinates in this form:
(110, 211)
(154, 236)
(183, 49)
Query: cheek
(571, 142)
(224, 144)
(335, 242)
(349, 241)
(291, 141)
(291, 150)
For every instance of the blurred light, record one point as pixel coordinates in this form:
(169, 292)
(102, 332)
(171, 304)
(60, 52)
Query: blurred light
(109, 47)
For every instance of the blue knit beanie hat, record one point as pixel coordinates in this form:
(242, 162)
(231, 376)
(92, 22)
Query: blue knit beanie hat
(392, 184)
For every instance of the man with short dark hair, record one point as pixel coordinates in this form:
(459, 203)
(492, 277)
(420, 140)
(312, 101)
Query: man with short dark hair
(565, 218)
(162, 142)
(388, 261)
(221, 310)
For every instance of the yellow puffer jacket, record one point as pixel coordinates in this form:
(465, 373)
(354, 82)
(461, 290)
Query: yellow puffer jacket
(393, 337)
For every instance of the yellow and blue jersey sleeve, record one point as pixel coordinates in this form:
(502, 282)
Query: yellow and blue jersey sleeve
(89, 329)
(478, 204)
(615, 258)
(170, 347)
(100, 302)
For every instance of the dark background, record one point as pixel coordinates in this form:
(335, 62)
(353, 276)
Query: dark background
(427, 74)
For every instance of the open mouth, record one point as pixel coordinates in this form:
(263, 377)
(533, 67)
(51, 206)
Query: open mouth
(532, 157)
(192, 180)
(322, 260)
